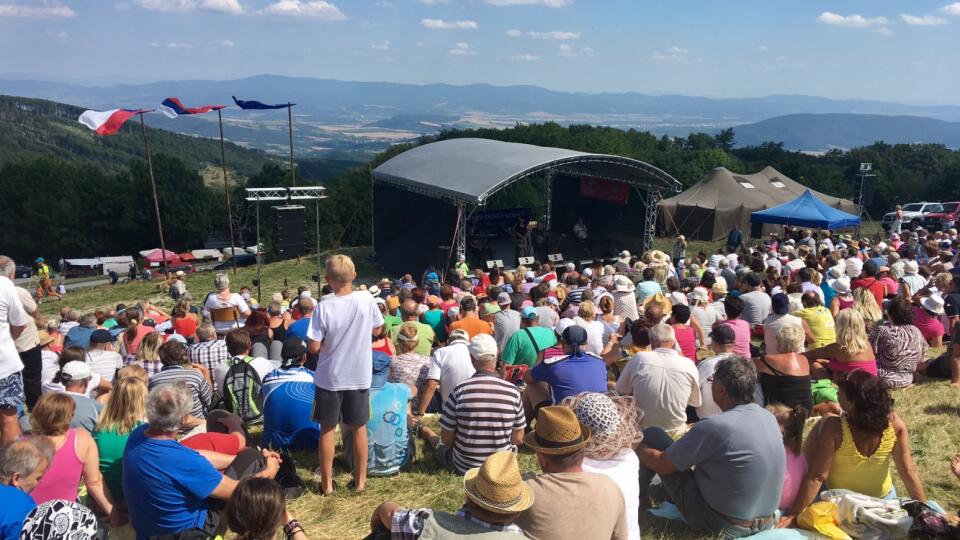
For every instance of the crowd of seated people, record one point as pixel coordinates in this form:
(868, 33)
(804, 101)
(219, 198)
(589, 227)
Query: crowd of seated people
(700, 372)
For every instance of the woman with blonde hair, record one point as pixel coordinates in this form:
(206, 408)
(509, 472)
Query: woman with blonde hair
(612, 323)
(865, 304)
(125, 411)
(75, 454)
(184, 321)
(851, 351)
(407, 366)
(135, 330)
(587, 318)
(148, 354)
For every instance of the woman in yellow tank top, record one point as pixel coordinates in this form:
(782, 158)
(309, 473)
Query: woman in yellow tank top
(853, 451)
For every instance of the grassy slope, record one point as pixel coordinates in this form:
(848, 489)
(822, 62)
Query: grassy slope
(930, 411)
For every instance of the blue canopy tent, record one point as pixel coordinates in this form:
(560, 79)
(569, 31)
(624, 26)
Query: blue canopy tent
(806, 211)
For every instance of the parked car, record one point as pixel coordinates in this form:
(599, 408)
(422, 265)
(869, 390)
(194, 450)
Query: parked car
(24, 271)
(946, 218)
(913, 215)
(243, 259)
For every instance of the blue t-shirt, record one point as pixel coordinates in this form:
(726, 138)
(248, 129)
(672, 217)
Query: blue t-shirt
(288, 419)
(79, 336)
(16, 506)
(166, 485)
(571, 375)
(387, 437)
(299, 328)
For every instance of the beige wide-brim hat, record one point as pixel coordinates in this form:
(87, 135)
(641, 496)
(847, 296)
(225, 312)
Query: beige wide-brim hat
(557, 432)
(496, 486)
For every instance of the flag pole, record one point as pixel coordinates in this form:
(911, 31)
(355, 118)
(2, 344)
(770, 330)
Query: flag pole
(293, 173)
(226, 189)
(153, 187)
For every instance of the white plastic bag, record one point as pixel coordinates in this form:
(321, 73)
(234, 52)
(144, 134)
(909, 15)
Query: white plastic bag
(869, 518)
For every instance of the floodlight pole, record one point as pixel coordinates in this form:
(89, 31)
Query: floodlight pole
(257, 255)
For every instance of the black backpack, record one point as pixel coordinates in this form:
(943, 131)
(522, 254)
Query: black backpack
(241, 390)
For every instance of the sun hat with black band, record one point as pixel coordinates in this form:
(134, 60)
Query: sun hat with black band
(497, 486)
(557, 432)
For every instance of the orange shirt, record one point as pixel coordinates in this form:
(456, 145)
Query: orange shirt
(473, 326)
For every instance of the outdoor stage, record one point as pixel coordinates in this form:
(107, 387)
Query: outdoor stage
(436, 202)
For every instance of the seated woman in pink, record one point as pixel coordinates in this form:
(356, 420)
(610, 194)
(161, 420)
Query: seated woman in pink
(741, 328)
(851, 351)
(791, 422)
(926, 317)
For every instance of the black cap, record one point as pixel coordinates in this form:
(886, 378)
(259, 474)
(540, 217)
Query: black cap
(723, 334)
(293, 348)
(102, 336)
(575, 335)
(781, 303)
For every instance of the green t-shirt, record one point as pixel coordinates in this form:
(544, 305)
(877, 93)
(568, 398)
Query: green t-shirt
(424, 332)
(110, 444)
(389, 321)
(519, 349)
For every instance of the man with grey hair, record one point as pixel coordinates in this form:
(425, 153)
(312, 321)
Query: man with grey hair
(28, 342)
(173, 490)
(79, 336)
(726, 474)
(209, 351)
(662, 383)
(223, 299)
(22, 464)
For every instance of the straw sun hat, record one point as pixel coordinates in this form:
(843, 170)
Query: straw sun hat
(612, 421)
(557, 432)
(497, 486)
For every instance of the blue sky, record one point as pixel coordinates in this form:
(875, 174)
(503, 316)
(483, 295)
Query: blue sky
(877, 49)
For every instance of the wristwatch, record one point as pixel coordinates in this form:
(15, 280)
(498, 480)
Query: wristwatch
(291, 528)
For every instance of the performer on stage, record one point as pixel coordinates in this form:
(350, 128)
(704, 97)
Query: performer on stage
(582, 236)
(520, 237)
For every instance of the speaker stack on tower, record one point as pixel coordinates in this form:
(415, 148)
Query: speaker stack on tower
(289, 231)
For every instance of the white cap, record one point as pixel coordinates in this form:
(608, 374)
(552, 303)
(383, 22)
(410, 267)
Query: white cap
(563, 325)
(588, 272)
(76, 370)
(483, 345)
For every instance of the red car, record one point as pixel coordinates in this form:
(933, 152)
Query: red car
(947, 218)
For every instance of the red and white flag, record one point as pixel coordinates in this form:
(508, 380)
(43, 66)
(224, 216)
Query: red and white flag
(108, 122)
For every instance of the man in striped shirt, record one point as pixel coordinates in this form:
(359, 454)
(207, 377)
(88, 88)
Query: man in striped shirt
(209, 351)
(483, 414)
(177, 369)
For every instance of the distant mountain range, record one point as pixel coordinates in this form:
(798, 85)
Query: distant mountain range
(336, 115)
(819, 132)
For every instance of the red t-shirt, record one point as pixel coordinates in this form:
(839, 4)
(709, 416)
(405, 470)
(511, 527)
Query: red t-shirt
(876, 288)
(222, 443)
(185, 326)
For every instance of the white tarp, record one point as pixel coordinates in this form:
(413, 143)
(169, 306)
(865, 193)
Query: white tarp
(83, 262)
(207, 254)
(120, 265)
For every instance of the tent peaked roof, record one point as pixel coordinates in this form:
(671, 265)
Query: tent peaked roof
(806, 211)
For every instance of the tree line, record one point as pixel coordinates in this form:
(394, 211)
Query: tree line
(55, 207)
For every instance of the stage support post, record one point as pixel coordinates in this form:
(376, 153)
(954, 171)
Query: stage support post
(156, 204)
(547, 220)
(461, 245)
(226, 190)
(650, 218)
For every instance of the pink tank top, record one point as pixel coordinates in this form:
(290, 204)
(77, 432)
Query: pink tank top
(63, 475)
(792, 478)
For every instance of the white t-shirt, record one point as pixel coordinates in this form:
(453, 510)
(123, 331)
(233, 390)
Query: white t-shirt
(624, 470)
(663, 384)
(343, 325)
(28, 338)
(104, 363)
(705, 370)
(261, 365)
(11, 314)
(450, 365)
(594, 334)
(215, 302)
(50, 365)
(706, 316)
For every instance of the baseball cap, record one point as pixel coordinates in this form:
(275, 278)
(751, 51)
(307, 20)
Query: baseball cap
(781, 303)
(293, 347)
(529, 312)
(562, 326)
(723, 334)
(76, 370)
(483, 345)
(503, 299)
(489, 308)
(575, 335)
(458, 335)
(102, 336)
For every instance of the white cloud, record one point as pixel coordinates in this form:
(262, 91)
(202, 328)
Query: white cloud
(555, 34)
(951, 9)
(547, 3)
(673, 54)
(381, 46)
(223, 6)
(228, 43)
(177, 45)
(852, 21)
(44, 10)
(440, 24)
(567, 51)
(924, 20)
(433, 2)
(763, 48)
(883, 31)
(513, 32)
(525, 57)
(314, 9)
(462, 48)
(565, 48)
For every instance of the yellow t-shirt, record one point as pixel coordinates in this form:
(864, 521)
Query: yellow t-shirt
(820, 321)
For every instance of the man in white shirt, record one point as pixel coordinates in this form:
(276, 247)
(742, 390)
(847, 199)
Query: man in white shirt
(780, 318)
(756, 303)
(101, 357)
(662, 382)
(449, 366)
(13, 321)
(28, 342)
(722, 341)
(340, 330)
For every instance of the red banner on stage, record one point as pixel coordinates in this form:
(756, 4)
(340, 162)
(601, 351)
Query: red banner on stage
(605, 190)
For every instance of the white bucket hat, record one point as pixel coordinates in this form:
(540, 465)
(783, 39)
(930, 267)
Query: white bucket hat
(933, 304)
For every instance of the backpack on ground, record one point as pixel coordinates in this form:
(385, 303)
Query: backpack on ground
(241, 391)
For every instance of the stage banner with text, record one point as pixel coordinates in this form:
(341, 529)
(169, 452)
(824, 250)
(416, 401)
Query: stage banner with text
(604, 190)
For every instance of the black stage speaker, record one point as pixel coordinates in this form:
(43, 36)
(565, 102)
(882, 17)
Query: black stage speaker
(869, 188)
(289, 232)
